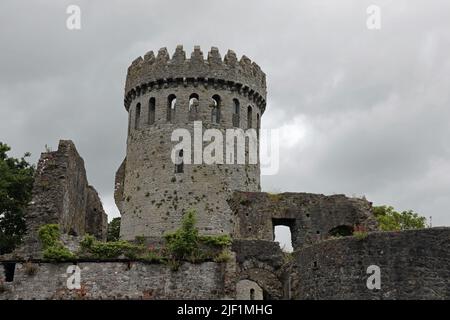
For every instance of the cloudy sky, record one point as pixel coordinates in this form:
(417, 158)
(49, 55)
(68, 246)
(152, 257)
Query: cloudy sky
(361, 112)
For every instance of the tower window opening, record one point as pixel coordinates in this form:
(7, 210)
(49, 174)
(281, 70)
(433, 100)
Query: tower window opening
(193, 106)
(151, 110)
(236, 113)
(171, 107)
(215, 111)
(249, 117)
(179, 166)
(137, 116)
(258, 124)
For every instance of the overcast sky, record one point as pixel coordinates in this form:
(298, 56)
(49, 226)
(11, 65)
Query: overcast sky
(361, 112)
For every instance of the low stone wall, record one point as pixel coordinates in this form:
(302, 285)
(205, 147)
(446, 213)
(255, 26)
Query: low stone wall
(115, 280)
(413, 264)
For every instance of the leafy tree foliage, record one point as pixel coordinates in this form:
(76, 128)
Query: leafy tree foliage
(16, 184)
(114, 230)
(391, 220)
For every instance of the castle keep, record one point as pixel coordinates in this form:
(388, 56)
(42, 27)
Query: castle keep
(164, 93)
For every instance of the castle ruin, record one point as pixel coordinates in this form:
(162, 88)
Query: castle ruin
(152, 193)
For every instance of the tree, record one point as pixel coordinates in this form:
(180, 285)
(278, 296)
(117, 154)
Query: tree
(114, 230)
(391, 220)
(16, 184)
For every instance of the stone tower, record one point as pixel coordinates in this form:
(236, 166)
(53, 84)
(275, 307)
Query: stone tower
(165, 93)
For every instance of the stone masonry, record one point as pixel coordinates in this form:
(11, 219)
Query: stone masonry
(61, 195)
(151, 195)
(164, 93)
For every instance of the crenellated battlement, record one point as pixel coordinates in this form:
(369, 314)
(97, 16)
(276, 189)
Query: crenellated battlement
(161, 71)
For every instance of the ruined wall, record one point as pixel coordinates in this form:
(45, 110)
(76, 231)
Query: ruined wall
(310, 217)
(61, 195)
(262, 263)
(96, 218)
(414, 265)
(150, 195)
(118, 280)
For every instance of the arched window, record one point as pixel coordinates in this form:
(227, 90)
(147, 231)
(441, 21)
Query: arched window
(249, 117)
(171, 107)
(193, 106)
(236, 112)
(252, 294)
(215, 111)
(137, 116)
(151, 110)
(179, 166)
(258, 124)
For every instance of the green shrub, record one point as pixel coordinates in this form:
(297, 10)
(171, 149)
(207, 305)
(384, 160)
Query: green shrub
(49, 235)
(90, 247)
(152, 256)
(360, 235)
(391, 220)
(223, 256)
(54, 249)
(186, 244)
(217, 241)
(58, 253)
(183, 243)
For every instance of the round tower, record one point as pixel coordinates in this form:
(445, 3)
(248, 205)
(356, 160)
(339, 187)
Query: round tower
(166, 93)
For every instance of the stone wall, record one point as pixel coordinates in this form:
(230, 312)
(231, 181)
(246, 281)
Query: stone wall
(311, 217)
(414, 265)
(264, 264)
(117, 280)
(61, 194)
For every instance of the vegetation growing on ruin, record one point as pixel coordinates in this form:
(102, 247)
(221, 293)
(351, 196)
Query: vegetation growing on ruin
(92, 248)
(16, 184)
(275, 197)
(187, 244)
(54, 249)
(391, 220)
(360, 232)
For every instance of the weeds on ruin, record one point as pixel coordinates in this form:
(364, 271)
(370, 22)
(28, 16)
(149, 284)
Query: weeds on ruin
(223, 256)
(360, 232)
(30, 269)
(275, 197)
(54, 249)
(186, 243)
(92, 248)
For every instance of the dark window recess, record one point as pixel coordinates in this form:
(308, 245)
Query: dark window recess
(252, 294)
(10, 269)
(341, 231)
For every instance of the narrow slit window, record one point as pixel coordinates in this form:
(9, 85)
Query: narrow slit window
(137, 116)
(151, 110)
